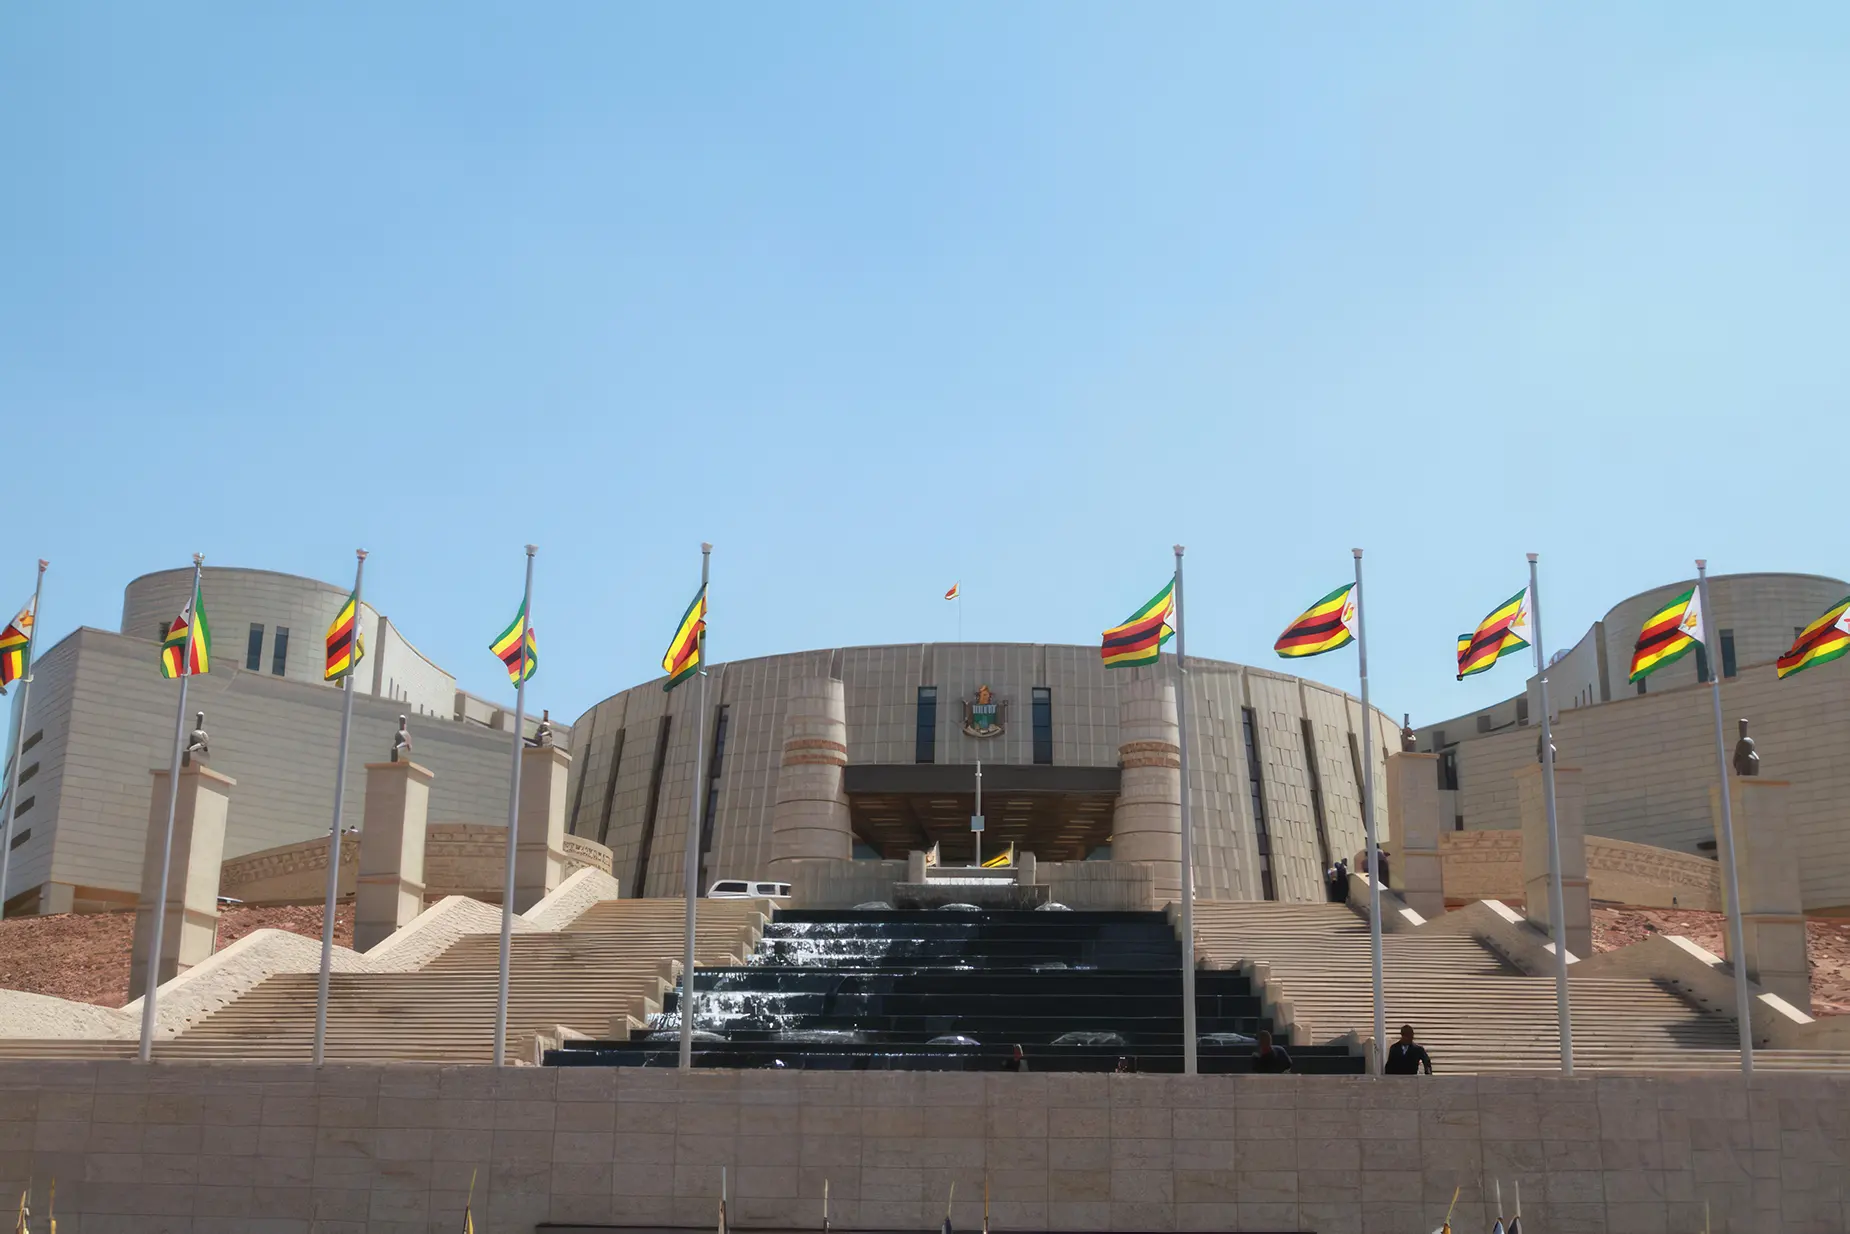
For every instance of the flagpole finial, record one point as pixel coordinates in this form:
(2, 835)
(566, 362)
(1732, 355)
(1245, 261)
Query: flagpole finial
(1532, 557)
(42, 564)
(1178, 550)
(705, 547)
(199, 559)
(1357, 552)
(532, 549)
(360, 553)
(1702, 563)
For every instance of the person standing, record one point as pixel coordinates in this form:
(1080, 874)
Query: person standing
(1270, 1059)
(1406, 1058)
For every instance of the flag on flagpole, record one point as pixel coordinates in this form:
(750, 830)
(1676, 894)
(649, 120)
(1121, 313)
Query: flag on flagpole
(952, 593)
(469, 1206)
(1324, 626)
(507, 646)
(1504, 629)
(187, 649)
(346, 645)
(15, 642)
(682, 659)
(1002, 860)
(1825, 639)
(1140, 637)
(1668, 635)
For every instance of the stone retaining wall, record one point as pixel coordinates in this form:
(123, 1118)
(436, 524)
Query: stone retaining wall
(285, 1149)
(1487, 865)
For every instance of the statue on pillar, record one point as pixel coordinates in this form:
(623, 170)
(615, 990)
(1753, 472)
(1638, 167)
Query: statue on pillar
(542, 735)
(195, 741)
(1408, 743)
(1746, 757)
(401, 742)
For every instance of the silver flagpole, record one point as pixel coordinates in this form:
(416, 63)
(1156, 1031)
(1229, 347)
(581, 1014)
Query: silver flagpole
(340, 799)
(974, 833)
(151, 978)
(19, 740)
(1737, 947)
(513, 815)
(1188, 867)
(1368, 826)
(1556, 899)
(692, 890)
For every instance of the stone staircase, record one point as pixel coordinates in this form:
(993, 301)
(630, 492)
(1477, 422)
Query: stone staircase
(1471, 1010)
(603, 974)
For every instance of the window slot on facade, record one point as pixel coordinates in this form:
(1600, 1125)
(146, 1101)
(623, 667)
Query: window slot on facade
(279, 654)
(28, 773)
(1255, 784)
(32, 741)
(710, 808)
(1702, 663)
(1043, 724)
(24, 806)
(253, 650)
(1316, 793)
(649, 810)
(1448, 772)
(22, 837)
(1727, 653)
(925, 748)
(610, 787)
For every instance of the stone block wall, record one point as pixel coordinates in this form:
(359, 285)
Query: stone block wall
(391, 1150)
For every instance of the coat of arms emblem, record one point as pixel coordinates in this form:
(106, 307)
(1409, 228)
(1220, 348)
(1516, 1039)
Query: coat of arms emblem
(985, 717)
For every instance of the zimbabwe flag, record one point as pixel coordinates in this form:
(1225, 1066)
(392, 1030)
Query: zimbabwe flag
(1824, 639)
(1324, 626)
(187, 650)
(1668, 635)
(682, 659)
(1504, 629)
(16, 646)
(508, 648)
(346, 646)
(1140, 638)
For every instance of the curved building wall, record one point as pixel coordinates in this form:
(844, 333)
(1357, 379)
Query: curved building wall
(237, 598)
(619, 798)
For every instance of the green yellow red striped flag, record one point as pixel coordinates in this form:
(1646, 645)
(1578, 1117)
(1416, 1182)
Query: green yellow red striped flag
(1140, 637)
(16, 644)
(346, 645)
(1324, 626)
(1668, 635)
(187, 649)
(682, 659)
(508, 644)
(1002, 860)
(1825, 639)
(1504, 629)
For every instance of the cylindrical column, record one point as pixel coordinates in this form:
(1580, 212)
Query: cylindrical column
(1147, 823)
(810, 819)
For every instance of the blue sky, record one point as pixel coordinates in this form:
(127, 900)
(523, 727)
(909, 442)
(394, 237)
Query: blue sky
(882, 297)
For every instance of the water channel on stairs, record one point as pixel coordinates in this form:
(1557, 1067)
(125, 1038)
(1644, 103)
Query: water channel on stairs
(956, 990)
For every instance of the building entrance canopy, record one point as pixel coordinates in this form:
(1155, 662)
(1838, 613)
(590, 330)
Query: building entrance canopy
(1057, 813)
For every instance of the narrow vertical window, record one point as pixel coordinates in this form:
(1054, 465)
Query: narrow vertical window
(711, 807)
(253, 650)
(279, 656)
(1448, 771)
(1316, 792)
(1702, 663)
(1255, 784)
(925, 748)
(610, 787)
(1641, 682)
(649, 810)
(1043, 724)
(1727, 653)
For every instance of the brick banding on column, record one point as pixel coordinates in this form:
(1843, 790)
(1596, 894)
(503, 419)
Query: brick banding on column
(1149, 754)
(799, 751)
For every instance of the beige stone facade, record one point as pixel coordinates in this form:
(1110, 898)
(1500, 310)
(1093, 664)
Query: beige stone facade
(391, 1150)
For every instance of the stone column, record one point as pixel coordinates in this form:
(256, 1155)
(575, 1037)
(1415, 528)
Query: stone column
(190, 899)
(539, 843)
(811, 819)
(1570, 823)
(1766, 857)
(390, 890)
(1146, 823)
(1414, 820)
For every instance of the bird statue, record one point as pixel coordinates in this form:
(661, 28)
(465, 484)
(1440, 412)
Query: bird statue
(195, 741)
(401, 742)
(1746, 755)
(542, 735)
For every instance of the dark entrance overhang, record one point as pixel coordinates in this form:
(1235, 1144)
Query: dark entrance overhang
(1057, 813)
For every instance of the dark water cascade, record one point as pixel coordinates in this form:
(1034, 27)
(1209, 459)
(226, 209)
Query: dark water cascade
(957, 991)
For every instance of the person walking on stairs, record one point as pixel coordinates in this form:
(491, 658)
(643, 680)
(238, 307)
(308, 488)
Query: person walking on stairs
(1270, 1059)
(1406, 1058)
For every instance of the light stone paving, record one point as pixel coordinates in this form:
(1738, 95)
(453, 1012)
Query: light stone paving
(205, 1150)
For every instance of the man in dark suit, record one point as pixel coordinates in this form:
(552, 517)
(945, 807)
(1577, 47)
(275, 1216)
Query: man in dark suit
(1270, 1059)
(1406, 1058)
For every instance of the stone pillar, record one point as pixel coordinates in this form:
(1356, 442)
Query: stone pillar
(390, 890)
(1414, 821)
(1766, 858)
(190, 899)
(539, 843)
(1570, 823)
(810, 819)
(1146, 824)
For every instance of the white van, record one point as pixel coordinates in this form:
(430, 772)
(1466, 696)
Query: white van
(742, 889)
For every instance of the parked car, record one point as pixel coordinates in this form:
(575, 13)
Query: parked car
(745, 889)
